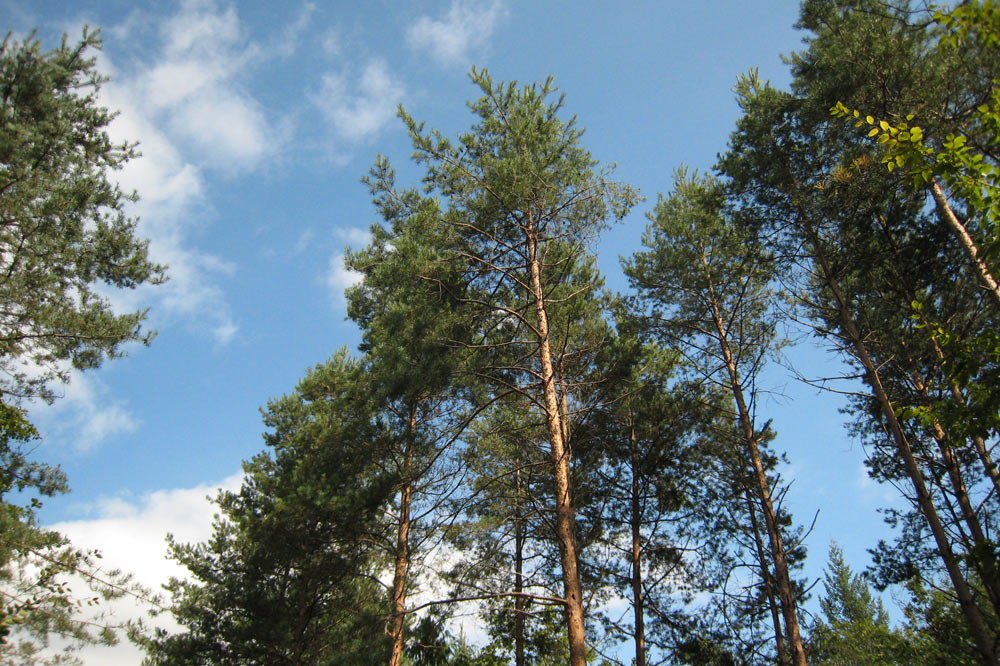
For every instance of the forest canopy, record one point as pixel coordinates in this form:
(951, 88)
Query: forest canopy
(594, 476)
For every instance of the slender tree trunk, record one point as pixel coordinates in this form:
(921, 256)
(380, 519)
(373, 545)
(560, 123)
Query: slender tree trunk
(518, 572)
(397, 625)
(950, 220)
(564, 407)
(765, 573)
(762, 489)
(638, 599)
(565, 513)
(978, 442)
(973, 616)
(982, 550)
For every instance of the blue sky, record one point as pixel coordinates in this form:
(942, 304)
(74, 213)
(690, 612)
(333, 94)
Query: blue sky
(256, 121)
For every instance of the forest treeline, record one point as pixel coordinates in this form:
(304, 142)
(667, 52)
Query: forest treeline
(593, 475)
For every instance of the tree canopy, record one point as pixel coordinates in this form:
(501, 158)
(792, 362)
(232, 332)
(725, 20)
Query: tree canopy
(65, 239)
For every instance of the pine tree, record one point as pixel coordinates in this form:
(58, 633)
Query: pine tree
(854, 627)
(521, 201)
(64, 236)
(704, 289)
(860, 250)
(289, 575)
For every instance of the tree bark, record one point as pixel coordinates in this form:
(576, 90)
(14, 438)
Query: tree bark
(950, 220)
(562, 468)
(638, 599)
(974, 618)
(981, 549)
(765, 573)
(762, 488)
(397, 625)
(989, 466)
(518, 572)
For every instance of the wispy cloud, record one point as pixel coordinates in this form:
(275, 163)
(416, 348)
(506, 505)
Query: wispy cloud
(195, 88)
(356, 237)
(192, 114)
(84, 415)
(285, 43)
(339, 278)
(331, 43)
(130, 536)
(454, 38)
(359, 108)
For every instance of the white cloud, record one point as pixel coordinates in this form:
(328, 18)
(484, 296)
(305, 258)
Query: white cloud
(356, 110)
(331, 43)
(353, 236)
(131, 536)
(339, 278)
(200, 28)
(194, 88)
(286, 43)
(451, 39)
(225, 332)
(84, 414)
(190, 114)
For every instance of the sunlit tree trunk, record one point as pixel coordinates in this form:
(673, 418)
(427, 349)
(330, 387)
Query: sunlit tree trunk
(397, 624)
(974, 618)
(947, 216)
(762, 488)
(562, 469)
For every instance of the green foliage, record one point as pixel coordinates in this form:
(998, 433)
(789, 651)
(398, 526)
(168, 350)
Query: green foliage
(860, 246)
(966, 162)
(41, 573)
(704, 288)
(503, 232)
(935, 628)
(51, 589)
(854, 627)
(289, 575)
(64, 234)
(65, 228)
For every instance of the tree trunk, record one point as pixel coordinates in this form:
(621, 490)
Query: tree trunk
(396, 629)
(978, 442)
(977, 626)
(762, 489)
(981, 550)
(638, 600)
(765, 573)
(518, 572)
(950, 220)
(561, 463)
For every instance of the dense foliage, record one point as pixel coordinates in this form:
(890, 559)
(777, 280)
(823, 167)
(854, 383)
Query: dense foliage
(64, 236)
(587, 470)
(591, 475)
